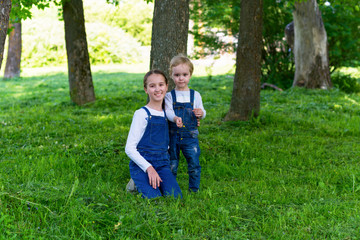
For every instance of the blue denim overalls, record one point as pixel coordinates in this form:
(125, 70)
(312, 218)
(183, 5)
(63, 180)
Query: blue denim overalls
(153, 146)
(186, 140)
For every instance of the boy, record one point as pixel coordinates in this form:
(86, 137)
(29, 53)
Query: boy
(184, 109)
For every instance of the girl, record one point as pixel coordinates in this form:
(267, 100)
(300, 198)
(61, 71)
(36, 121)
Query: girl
(148, 141)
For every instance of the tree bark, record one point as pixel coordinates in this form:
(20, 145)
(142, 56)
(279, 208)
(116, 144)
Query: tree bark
(310, 47)
(12, 67)
(169, 33)
(80, 79)
(245, 101)
(5, 7)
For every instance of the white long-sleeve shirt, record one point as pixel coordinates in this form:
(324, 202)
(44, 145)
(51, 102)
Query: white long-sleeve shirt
(137, 130)
(182, 97)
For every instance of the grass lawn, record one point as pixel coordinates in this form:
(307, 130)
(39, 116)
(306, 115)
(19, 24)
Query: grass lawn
(292, 173)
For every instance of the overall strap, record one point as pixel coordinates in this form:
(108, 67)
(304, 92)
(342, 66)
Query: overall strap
(192, 93)
(147, 111)
(173, 95)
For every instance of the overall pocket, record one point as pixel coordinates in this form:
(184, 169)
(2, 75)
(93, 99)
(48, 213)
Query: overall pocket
(194, 133)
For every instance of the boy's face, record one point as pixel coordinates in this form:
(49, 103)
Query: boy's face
(181, 76)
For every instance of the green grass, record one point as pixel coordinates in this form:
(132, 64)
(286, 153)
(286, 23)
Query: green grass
(292, 173)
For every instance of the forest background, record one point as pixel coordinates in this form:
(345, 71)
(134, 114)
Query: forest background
(291, 173)
(122, 34)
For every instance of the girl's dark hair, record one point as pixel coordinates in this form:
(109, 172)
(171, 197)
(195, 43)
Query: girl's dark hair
(151, 72)
(154, 71)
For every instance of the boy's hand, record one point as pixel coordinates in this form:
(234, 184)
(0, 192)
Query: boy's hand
(154, 178)
(198, 112)
(178, 121)
(198, 122)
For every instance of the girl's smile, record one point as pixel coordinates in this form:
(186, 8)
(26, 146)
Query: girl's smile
(156, 88)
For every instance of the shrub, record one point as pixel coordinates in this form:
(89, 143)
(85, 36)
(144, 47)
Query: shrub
(44, 43)
(111, 45)
(345, 83)
(134, 17)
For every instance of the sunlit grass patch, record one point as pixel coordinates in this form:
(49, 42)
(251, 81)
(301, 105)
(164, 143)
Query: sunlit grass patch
(292, 173)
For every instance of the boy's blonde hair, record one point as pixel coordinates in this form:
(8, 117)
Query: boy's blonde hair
(181, 59)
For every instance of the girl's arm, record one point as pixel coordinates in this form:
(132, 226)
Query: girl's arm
(154, 178)
(136, 132)
(170, 113)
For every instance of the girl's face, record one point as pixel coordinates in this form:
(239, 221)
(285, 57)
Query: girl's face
(181, 76)
(156, 87)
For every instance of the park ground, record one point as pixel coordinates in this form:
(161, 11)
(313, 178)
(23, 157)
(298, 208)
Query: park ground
(291, 173)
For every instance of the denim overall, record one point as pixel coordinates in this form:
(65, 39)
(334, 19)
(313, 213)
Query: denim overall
(153, 146)
(186, 140)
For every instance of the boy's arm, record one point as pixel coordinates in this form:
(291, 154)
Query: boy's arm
(199, 109)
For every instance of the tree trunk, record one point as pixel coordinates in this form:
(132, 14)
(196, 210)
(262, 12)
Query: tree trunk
(245, 101)
(12, 67)
(80, 79)
(169, 33)
(310, 47)
(5, 7)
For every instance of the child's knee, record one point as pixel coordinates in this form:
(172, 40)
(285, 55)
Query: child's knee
(150, 193)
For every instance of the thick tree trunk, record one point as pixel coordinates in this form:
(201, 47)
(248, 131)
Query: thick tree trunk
(245, 101)
(80, 79)
(12, 67)
(5, 7)
(310, 47)
(169, 33)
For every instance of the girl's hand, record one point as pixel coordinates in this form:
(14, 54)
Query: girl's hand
(154, 178)
(198, 112)
(178, 121)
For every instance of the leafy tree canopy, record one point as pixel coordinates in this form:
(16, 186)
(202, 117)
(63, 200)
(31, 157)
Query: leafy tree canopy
(217, 21)
(21, 8)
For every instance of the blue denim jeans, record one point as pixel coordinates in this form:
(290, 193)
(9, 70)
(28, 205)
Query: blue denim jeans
(168, 186)
(191, 151)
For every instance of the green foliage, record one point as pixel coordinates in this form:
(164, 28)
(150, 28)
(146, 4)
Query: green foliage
(340, 18)
(217, 22)
(215, 25)
(292, 173)
(134, 17)
(20, 9)
(44, 44)
(278, 66)
(345, 83)
(111, 45)
(342, 23)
